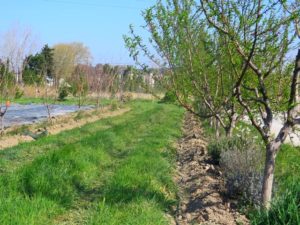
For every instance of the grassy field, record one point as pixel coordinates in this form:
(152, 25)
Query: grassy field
(68, 101)
(114, 171)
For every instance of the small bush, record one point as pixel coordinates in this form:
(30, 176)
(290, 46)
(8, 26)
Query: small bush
(170, 97)
(242, 163)
(80, 115)
(214, 150)
(63, 93)
(126, 97)
(115, 105)
(216, 147)
(19, 93)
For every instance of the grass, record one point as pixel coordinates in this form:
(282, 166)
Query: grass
(68, 101)
(114, 171)
(285, 209)
(288, 164)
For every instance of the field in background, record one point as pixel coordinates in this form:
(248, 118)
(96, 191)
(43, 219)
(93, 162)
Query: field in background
(31, 92)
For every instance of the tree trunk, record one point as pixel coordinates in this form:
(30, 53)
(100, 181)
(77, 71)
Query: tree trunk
(79, 101)
(98, 103)
(2, 114)
(272, 148)
(297, 73)
(19, 77)
(217, 128)
(229, 131)
(231, 126)
(49, 112)
(2, 123)
(211, 121)
(269, 174)
(98, 97)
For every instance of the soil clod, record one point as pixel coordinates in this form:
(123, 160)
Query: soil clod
(200, 183)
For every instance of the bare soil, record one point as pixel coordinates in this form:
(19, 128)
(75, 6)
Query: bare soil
(201, 185)
(59, 124)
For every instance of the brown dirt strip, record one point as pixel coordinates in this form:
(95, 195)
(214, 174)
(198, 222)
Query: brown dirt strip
(62, 123)
(200, 183)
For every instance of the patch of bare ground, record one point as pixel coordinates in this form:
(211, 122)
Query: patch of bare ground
(200, 183)
(59, 124)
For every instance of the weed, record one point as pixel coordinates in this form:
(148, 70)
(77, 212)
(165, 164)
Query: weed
(170, 97)
(79, 115)
(115, 105)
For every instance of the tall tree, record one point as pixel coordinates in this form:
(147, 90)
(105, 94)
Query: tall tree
(17, 43)
(7, 85)
(67, 57)
(48, 54)
(38, 67)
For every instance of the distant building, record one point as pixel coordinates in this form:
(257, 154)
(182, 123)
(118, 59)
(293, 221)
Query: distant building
(50, 81)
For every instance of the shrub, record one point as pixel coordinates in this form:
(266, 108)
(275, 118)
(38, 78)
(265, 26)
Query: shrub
(170, 97)
(241, 161)
(126, 97)
(216, 147)
(242, 165)
(114, 105)
(79, 115)
(19, 93)
(63, 93)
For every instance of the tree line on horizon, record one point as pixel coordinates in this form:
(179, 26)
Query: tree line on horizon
(62, 66)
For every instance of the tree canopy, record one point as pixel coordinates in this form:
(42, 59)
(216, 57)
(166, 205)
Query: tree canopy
(226, 60)
(39, 66)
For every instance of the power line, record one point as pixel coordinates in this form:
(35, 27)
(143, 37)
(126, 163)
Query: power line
(91, 4)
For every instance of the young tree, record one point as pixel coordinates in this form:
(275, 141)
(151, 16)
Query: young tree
(38, 69)
(99, 82)
(67, 57)
(17, 43)
(34, 69)
(79, 84)
(199, 74)
(48, 55)
(98, 85)
(112, 79)
(7, 84)
(260, 34)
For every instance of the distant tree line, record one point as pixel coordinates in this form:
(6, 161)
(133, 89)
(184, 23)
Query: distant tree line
(65, 66)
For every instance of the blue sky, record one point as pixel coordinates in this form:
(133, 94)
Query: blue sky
(99, 24)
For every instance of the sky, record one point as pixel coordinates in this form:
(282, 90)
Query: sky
(99, 24)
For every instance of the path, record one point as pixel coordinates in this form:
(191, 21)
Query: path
(200, 183)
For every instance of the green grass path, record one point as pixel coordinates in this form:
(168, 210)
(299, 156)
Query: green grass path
(67, 101)
(115, 171)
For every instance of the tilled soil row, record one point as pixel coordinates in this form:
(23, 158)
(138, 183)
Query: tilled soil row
(200, 183)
